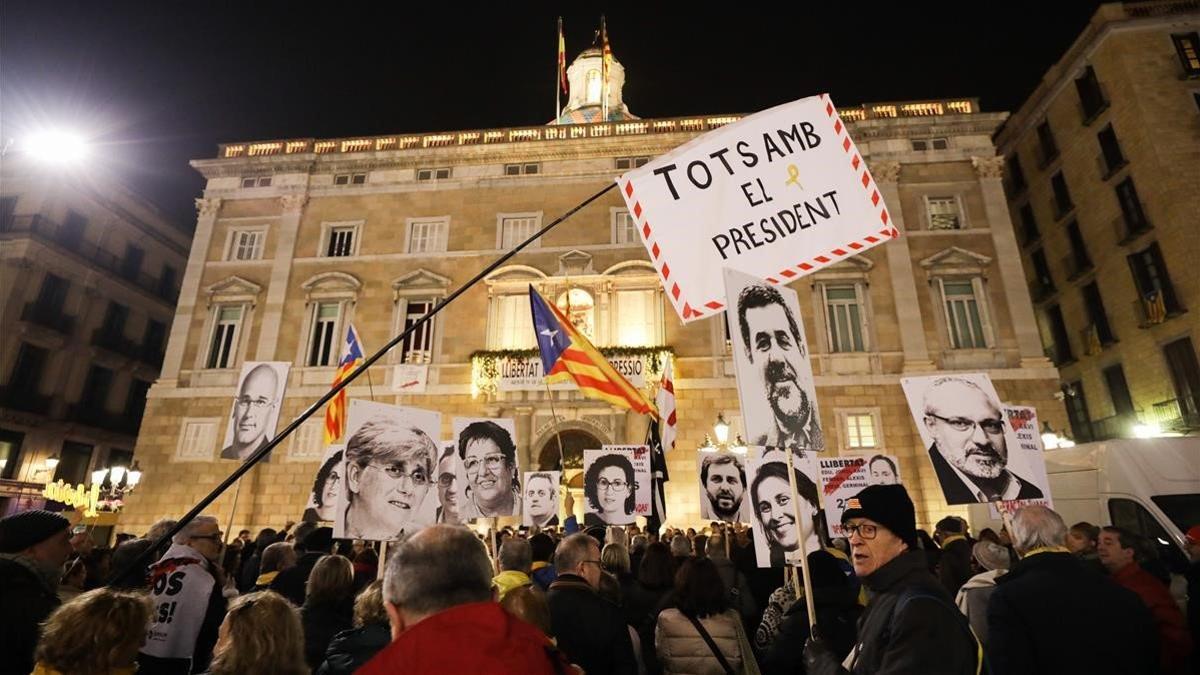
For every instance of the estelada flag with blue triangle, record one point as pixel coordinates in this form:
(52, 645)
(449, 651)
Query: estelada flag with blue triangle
(568, 356)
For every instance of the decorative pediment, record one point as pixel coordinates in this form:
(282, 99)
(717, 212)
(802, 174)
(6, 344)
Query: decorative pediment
(852, 268)
(514, 273)
(631, 268)
(955, 260)
(420, 278)
(331, 285)
(233, 289)
(575, 263)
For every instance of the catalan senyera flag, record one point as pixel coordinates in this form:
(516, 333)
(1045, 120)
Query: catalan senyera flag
(335, 412)
(568, 356)
(605, 64)
(562, 58)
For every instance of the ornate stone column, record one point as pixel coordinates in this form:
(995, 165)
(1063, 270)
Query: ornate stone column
(207, 210)
(900, 269)
(1008, 259)
(281, 272)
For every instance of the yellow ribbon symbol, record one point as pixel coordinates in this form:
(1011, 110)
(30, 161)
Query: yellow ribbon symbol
(794, 176)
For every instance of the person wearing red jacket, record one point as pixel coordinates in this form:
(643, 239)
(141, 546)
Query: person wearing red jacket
(438, 594)
(1117, 549)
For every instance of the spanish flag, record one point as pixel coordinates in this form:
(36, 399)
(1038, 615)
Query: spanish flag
(568, 356)
(335, 412)
(562, 58)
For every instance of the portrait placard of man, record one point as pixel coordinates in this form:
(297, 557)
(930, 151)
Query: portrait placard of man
(960, 421)
(777, 533)
(255, 408)
(448, 487)
(723, 487)
(388, 472)
(490, 474)
(541, 499)
(882, 470)
(775, 381)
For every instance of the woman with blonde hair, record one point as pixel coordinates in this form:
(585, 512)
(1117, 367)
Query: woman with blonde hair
(328, 605)
(96, 633)
(351, 649)
(261, 634)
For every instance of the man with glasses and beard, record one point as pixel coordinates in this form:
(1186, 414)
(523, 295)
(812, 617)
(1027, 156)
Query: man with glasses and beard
(723, 478)
(389, 469)
(775, 347)
(489, 459)
(969, 452)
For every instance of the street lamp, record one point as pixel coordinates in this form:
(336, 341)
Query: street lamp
(1146, 430)
(1050, 439)
(721, 429)
(135, 475)
(56, 146)
(52, 462)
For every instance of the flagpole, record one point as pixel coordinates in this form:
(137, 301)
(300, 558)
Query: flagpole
(558, 74)
(264, 451)
(562, 458)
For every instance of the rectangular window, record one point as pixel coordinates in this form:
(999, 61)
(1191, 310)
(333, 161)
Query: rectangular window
(246, 245)
(1043, 283)
(417, 347)
(432, 173)
(1029, 227)
(341, 241)
(921, 144)
(27, 371)
(1185, 375)
(114, 320)
(256, 181)
(1091, 97)
(131, 264)
(1153, 283)
(963, 316)
(1058, 333)
(860, 431)
(1080, 261)
(1016, 175)
(350, 179)
(514, 324)
(1062, 196)
(197, 441)
(1187, 45)
(53, 294)
(1118, 389)
(1110, 150)
(844, 318)
(1131, 208)
(626, 163)
(1099, 317)
(71, 234)
(135, 401)
(155, 337)
(944, 213)
(96, 388)
(513, 231)
(8, 209)
(166, 283)
(526, 169)
(10, 452)
(427, 236)
(625, 230)
(322, 349)
(1046, 144)
(637, 318)
(225, 329)
(1077, 412)
(73, 463)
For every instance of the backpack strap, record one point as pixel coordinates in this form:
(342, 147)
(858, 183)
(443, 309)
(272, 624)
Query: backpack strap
(711, 644)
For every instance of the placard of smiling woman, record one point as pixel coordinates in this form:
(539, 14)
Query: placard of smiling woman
(388, 472)
(777, 535)
(490, 474)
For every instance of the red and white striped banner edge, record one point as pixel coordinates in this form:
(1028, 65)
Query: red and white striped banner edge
(788, 274)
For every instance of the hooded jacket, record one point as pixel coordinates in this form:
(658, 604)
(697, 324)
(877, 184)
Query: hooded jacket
(479, 638)
(508, 580)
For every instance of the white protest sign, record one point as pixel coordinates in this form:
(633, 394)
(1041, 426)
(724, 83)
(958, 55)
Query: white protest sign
(1026, 459)
(844, 477)
(779, 194)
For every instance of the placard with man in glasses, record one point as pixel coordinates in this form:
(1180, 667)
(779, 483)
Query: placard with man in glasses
(490, 473)
(255, 409)
(616, 484)
(960, 421)
(388, 469)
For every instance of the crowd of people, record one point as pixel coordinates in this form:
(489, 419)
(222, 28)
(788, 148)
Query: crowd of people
(1036, 597)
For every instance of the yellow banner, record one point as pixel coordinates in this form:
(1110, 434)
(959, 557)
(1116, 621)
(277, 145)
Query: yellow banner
(79, 496)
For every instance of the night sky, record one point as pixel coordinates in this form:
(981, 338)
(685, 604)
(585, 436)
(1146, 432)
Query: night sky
(157, 84)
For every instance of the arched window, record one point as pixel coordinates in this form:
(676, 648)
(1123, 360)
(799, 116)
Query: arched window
(580, 309)
(592, 80)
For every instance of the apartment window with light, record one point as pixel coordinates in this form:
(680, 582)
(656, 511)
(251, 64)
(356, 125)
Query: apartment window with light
(944, 213)
(860, 431)
(433, 173)
(625, 230)
(323, 343)
(844, 317)
(964, 317)
(526, 169)
(418, 346)
(340, 241)
(227, 321)
(246, 244)
(514, 323)
(427, 236)
(514, 230)
(1187, 45)
(638, 318)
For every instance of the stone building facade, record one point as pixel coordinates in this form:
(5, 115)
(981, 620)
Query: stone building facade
(299, 237)
(1103, 170)
(90, 274)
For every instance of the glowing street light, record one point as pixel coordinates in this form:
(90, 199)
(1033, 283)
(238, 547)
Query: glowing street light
(1146, 430)
(55, 147)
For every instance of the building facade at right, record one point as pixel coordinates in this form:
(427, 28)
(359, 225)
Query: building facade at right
(1103, 181)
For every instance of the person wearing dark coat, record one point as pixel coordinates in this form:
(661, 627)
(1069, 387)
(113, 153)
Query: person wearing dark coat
(33, 547)
(1051, 599)
(351, 649)
(328, 607)
(291, 582)
(910, 624)
(836, 601)
(590, 630)
(954, 567)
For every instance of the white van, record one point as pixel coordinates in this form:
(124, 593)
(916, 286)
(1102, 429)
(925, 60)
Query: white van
(1147, 486)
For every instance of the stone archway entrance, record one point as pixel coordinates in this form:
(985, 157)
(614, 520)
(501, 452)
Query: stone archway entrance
(574, 442)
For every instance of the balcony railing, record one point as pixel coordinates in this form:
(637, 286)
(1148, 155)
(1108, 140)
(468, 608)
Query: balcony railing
(93, 416)
(1116, 426)
(48, 317)
(1177, 414)
(25, 400)
(47, 231)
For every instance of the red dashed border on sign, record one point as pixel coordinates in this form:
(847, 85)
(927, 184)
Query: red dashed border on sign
(887, 230)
